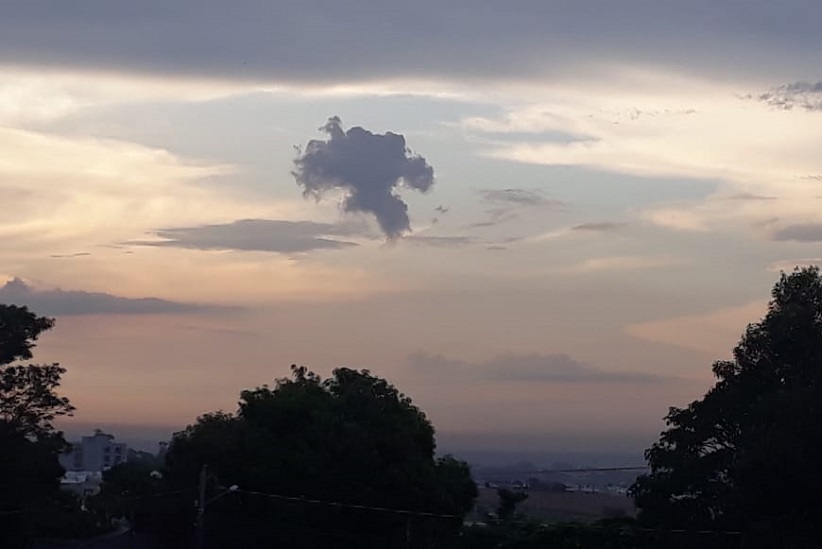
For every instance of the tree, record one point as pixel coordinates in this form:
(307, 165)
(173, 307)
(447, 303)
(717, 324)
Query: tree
(29, 402)
(508, 501)
(19, 329)
(352, 439)
(29, 444)
(746, 456)
(28, 399)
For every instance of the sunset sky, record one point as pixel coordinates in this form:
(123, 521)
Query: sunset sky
(595, 199)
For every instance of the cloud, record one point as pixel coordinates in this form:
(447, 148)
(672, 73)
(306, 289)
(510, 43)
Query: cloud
(507, 202)
(519, 197)
(59, 302)
(70, 256)
(263, 235)
(440, 241)
(496, 216)
(805, 95)
(602, 226)
(108, 191)
(750, 196)
(299, 41)
(548, 368)
(368, 168)
(705, 134)
(804, 232)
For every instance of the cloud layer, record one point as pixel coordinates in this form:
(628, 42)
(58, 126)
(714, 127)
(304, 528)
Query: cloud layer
(368, 168)
(68, 302)
(298, 41)
(263, 235)
(550, 368)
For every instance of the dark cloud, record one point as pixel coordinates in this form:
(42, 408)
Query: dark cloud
(67, 302)
(805, 95)
(290, 41)
(805, 232)
(602, 226)
(368, 168)
(263, 235)
(551, 368)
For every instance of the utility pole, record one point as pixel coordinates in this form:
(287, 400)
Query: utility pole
(201, 503)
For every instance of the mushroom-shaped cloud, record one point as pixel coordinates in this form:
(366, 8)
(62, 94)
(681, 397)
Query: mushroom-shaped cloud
(368, 168)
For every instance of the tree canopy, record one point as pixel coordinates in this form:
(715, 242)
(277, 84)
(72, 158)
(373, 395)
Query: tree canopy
(746, 456)
(353, 439)
(29, 443)
(19, 329)
(28, 393)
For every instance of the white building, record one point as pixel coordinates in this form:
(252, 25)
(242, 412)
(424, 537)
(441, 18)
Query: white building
(81, 483)
(95, 453)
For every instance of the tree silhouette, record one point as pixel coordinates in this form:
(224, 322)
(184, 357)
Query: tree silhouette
(508, 501)
(747, 455)
(29, 444)
(19, 329)
(28, 398)
(352, 439)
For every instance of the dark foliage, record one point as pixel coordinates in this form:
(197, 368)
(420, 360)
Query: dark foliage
(19, 329)
(746, 456)
(352, 438)
(508, 501)
(31, 503)
(29, 401)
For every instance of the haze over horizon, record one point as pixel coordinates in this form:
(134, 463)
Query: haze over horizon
(542, 221)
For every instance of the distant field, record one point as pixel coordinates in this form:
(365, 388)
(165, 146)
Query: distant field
(561, 506)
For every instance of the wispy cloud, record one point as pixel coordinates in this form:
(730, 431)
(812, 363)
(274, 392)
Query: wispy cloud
(520, 197)
(507, 203)
(59, 302)
(263, 235)
(546, 368)
(692, 129)
(599, 227)
(440, 241)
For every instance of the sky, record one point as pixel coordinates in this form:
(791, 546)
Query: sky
(543, 221)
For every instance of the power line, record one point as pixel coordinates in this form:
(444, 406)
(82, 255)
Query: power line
(155, 495)
(406, 512)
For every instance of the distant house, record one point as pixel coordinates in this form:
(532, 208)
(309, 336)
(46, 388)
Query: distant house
(95, 453)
